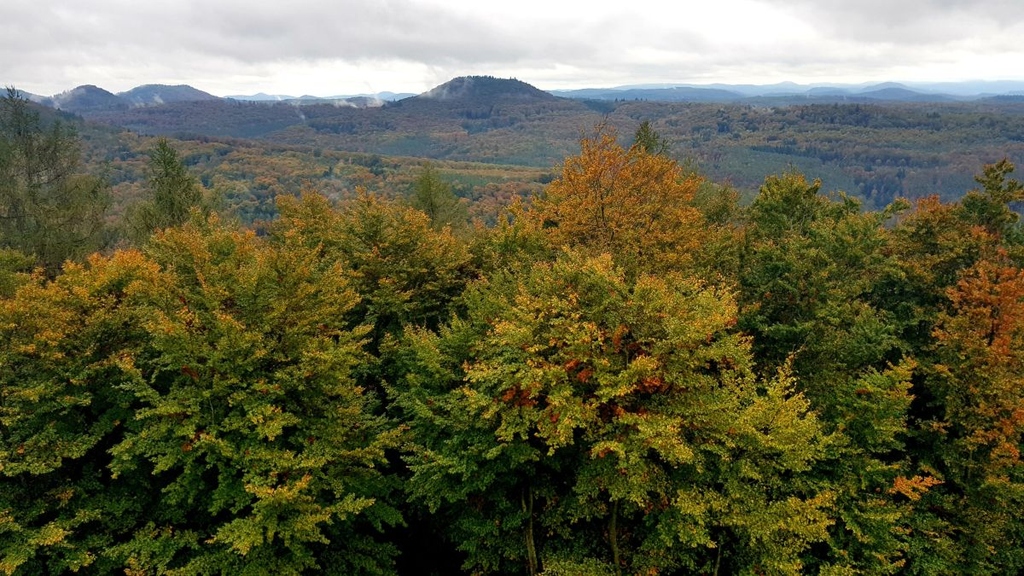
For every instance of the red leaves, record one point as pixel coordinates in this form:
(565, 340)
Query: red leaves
(518, 397)
(621, 331)
(652, 384)
(583, 375)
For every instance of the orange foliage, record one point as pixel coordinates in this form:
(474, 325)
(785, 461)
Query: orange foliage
(983, 340)
(913, 488)
(629, 203)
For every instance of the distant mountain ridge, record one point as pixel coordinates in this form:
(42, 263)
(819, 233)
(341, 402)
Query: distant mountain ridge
(789, 92)
(87, 98)
(378, 97)
(90, 99)
(876, 141)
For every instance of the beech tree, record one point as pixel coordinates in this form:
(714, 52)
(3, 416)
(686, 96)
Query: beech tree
(264, 444)
(811, 269)
(595, 423)
(190, 412)
(633, 204)
(977, 430)
(62, 408)
(403, 270)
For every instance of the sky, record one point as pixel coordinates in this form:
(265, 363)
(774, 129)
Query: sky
(345, 47)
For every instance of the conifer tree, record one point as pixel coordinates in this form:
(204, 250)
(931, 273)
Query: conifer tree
(434, 197)
(47, 208)
(172, 193)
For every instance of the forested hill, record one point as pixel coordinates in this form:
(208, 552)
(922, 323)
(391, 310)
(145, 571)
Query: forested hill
(482, 90)
(875, 150)
(156, 94)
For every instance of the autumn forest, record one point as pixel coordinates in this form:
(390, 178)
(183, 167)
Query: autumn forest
(250, 355)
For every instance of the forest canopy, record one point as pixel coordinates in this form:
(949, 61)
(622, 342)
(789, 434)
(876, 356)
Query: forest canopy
(632, 373)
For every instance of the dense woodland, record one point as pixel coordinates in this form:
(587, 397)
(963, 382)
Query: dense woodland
(624, 370)
(875, 150)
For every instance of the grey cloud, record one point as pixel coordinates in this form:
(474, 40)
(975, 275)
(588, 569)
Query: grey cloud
(64, 42)
(186, 32)
(254, 32)
(906, 22)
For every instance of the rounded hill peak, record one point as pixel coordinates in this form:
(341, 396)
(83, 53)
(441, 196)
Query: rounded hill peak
(485, 88)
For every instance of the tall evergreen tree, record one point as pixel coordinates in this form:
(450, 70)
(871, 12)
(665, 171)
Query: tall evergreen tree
(47, 208)
(434, 197)
(173, 192)
(649, 140)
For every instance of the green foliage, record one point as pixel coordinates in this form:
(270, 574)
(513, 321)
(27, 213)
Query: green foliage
(47, 209)
(630, 374)
(13, 266)
(403, 270)
(649, 140)
(173, 192)
(434, 197)
(621, 418)
(809, 272)
(193, 412)
(250, 413)
(62, 407)
(992, 205)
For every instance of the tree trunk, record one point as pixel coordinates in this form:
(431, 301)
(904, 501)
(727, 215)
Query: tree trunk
(531, 547)
(613, 538)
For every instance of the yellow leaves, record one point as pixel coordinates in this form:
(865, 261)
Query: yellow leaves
(270, 421)
(63, 496)
(48, 535)
(287, 491)
(913, 488)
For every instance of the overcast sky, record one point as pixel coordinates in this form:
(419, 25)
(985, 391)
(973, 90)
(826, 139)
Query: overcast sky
(324, 48)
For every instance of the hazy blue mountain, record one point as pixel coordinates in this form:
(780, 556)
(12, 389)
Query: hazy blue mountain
(263, 97)
(790, 92)
(828, 91)
(897, 93)
(481, 89)
(670, 94)
(972, 88)
(260, 97)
